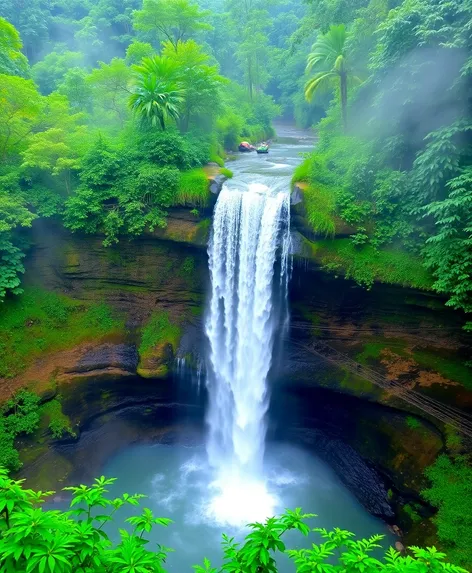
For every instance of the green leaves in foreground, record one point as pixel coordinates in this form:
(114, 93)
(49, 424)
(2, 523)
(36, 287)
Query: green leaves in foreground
(34, 540)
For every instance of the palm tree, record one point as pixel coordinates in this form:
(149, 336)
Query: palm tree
(329, 50)
(157, 93)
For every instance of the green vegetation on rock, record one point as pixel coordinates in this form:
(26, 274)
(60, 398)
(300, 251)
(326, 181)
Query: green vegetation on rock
(366, 264)
(160, 338)
(193, 190)
(18, 415)
(40, 321)
(451, 369)
(320, 208)
(450, 493)
(157, 331)
(226, 172)
(57, 422)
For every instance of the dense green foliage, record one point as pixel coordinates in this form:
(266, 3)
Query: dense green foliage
(116, 101)
(18, 415)
(399, 172)
(35, 540)
(450, 493)
(365, 264)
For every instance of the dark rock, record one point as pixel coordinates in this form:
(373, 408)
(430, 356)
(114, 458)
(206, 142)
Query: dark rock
(296, 196)
(122, 356)
(216, 184)
(354, 472)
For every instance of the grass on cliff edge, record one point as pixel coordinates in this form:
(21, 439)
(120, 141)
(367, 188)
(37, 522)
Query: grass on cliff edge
(320, 204)
(193, 189)
(157, 331)
(366, 265)
(40, 321)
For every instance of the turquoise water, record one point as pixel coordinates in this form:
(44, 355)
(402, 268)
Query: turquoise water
(178, 485)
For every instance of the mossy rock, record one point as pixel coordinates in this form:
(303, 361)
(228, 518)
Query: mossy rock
(157, 362)
(160, 338)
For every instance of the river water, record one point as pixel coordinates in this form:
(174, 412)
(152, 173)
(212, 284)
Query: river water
(236, 477)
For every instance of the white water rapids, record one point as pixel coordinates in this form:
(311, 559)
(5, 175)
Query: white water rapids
(248, 261)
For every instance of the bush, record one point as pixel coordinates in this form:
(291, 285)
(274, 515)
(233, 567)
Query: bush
(450, 492)
(38, 541)
(19, 415)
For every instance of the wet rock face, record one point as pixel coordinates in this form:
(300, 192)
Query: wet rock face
(371, 446)
(352, 469)
(403, 334)
(138, 279)
(216, 184)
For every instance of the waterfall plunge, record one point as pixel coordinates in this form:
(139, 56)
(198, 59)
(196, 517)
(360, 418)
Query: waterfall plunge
(251, 230)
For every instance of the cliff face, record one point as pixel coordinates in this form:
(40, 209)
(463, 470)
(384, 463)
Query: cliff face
(147, 281)
(157, 284)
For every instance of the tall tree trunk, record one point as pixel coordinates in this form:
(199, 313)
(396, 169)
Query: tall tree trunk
(343, 87)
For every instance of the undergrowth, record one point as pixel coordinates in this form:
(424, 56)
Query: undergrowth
(40, 321)
(58, 423)
(365, 264)
(18, 415)
(449, 492)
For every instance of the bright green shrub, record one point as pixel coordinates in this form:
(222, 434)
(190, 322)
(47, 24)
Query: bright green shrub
(58, 422)
(18, 415)
(226, 172)
(450, 492)
(39, 541)
(320, 207)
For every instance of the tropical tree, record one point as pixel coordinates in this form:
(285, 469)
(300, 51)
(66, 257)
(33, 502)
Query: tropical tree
(20, 107)
(329, 53)
(157, 93)
(172, 20)
(110, 84)
(50, 71)
(200, 82)
(12, 61)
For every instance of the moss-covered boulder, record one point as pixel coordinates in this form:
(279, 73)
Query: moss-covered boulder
(160, 337)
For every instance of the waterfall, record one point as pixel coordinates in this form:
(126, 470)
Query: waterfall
(248, 261)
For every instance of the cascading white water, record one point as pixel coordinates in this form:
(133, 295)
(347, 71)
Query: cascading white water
(251, 233)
